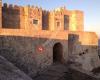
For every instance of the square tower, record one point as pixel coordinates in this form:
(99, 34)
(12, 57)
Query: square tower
(56, 20)
(76, 21)
(35, 18)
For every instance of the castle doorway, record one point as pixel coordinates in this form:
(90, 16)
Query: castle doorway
(57, 52)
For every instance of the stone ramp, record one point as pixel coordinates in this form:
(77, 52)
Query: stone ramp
(53, 72)
(9, 72)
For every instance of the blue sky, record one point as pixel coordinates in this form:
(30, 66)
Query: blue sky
(91, 9)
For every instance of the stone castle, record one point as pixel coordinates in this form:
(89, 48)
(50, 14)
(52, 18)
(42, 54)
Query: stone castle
(32, 38)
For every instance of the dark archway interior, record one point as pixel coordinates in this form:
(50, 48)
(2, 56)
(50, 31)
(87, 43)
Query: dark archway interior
(57, 52)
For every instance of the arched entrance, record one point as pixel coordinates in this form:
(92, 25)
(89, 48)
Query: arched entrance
(57, 52)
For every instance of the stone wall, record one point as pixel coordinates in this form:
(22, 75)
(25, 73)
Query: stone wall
(30, 17)
(58, 20)
(35, 18)
(86, 56)
(86, 38)
(11, 16)
(76, 20)
(24, 52)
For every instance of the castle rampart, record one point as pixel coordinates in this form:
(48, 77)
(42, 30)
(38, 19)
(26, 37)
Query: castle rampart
(18, 17)
(11, 16)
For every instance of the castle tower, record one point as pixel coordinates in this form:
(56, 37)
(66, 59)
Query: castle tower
(0, 13)
(76, 21)
(35, 18)
(56, 20)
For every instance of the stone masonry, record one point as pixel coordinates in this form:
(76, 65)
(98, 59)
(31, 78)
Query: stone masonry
(32, 38)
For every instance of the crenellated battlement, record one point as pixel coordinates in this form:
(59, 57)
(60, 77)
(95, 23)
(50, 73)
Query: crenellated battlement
(11, 6)
(45, 13)
(17, 16)
(61, 9)
(34, 8)
(11, 16)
